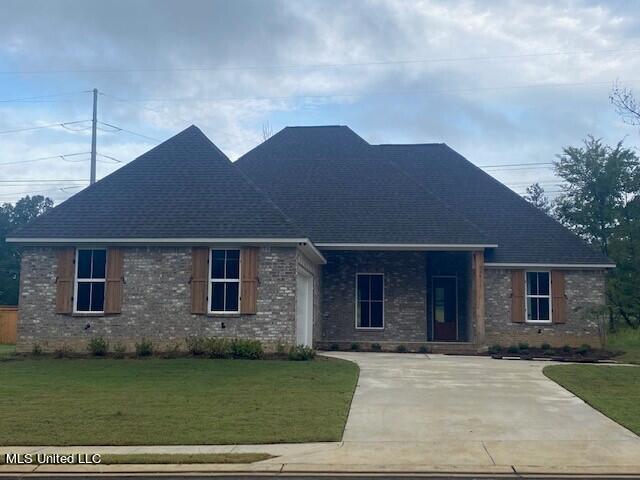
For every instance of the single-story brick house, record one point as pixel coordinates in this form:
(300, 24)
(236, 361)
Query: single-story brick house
(313, 237)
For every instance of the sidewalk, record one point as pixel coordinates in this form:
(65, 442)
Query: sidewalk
(371, 457)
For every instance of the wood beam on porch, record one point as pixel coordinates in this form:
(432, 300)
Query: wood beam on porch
(477, 259)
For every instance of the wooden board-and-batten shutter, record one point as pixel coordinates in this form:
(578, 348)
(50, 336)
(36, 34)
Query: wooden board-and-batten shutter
(559, 299)
(249, 279)
(517, 296)
(66, 257)
(199, 274)
(114, 281)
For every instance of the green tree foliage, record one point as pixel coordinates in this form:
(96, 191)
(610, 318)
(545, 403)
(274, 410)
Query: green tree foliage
(538, 198)
(12, 217)
(600, 203)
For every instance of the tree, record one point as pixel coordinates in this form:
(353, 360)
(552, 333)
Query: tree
(599, 180)
(536, 196)
(12, 217)
(601, 203)
(626, 104)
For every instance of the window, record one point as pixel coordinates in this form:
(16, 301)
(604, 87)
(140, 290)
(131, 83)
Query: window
(370, 300)
(538, 301)
(224, 287)
(90, 280)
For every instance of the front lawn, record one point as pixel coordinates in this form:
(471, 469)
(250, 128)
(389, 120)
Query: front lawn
(169, 402)
(614, 390)
(7, 350)
(626, 340)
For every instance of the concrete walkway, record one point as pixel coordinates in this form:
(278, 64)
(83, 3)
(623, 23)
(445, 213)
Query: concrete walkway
(418, 413)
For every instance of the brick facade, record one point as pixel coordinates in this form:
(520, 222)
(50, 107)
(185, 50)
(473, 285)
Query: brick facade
(583, 288)
(404, 296)
(156, 302)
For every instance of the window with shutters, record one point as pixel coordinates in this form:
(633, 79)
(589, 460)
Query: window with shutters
(370, 300)
(538, 297)
(90, 276)
(224, 281)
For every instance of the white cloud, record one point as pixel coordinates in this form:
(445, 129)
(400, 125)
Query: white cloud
(466, 108)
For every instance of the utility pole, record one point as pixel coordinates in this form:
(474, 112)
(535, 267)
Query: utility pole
(94, 127)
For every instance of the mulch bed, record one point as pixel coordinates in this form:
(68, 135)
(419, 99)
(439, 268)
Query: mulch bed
(576, 355)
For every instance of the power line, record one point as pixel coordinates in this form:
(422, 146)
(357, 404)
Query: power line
(121, 129)
(31, 192)
(156, 111)
(109, 157)
(365, 94)
(44, 180)
(319, 65)
(38, 97)
(63, 157)
(51, 125)
(515, 164)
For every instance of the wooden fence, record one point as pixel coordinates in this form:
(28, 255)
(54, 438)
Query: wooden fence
(8, 324)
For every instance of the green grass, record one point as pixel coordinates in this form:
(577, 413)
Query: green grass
(7, 350)
(614, 390)
(626, 340)
(170, 402)
(178, 458)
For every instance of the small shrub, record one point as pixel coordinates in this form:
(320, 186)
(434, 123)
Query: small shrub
(36, 351)
(545, 346)
(583, 349)
(523, 346)
(495, 349)
(355, 346)
(119, 350)
(401, 348)
(300, 352)
(247, 349)
(567, 349)
(513, 349)
(172, 351)
(549, 352)
(98, 347)
(281, 349)
(334, 347)
(376, 347)
(423, 349)
(144, 348)
(196, 345)
(217, 347)
(65, 351)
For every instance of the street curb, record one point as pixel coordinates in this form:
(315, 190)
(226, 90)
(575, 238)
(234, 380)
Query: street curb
(311, 469)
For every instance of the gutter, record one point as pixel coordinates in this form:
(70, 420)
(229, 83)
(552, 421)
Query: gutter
(304, 244)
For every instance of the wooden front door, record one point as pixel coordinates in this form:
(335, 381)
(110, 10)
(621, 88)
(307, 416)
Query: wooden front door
(445, 309)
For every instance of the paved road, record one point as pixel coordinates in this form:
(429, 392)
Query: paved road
(299, 477)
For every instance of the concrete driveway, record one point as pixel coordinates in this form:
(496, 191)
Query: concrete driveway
(456, 412)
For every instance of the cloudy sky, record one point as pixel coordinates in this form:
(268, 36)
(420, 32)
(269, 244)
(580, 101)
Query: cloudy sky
(501, 82)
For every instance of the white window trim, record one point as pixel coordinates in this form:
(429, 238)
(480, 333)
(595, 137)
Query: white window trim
(356, 302)
(88, 280)
(223, 280)
(527, 297)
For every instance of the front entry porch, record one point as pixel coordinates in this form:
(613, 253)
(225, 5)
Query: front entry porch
(421, 300)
